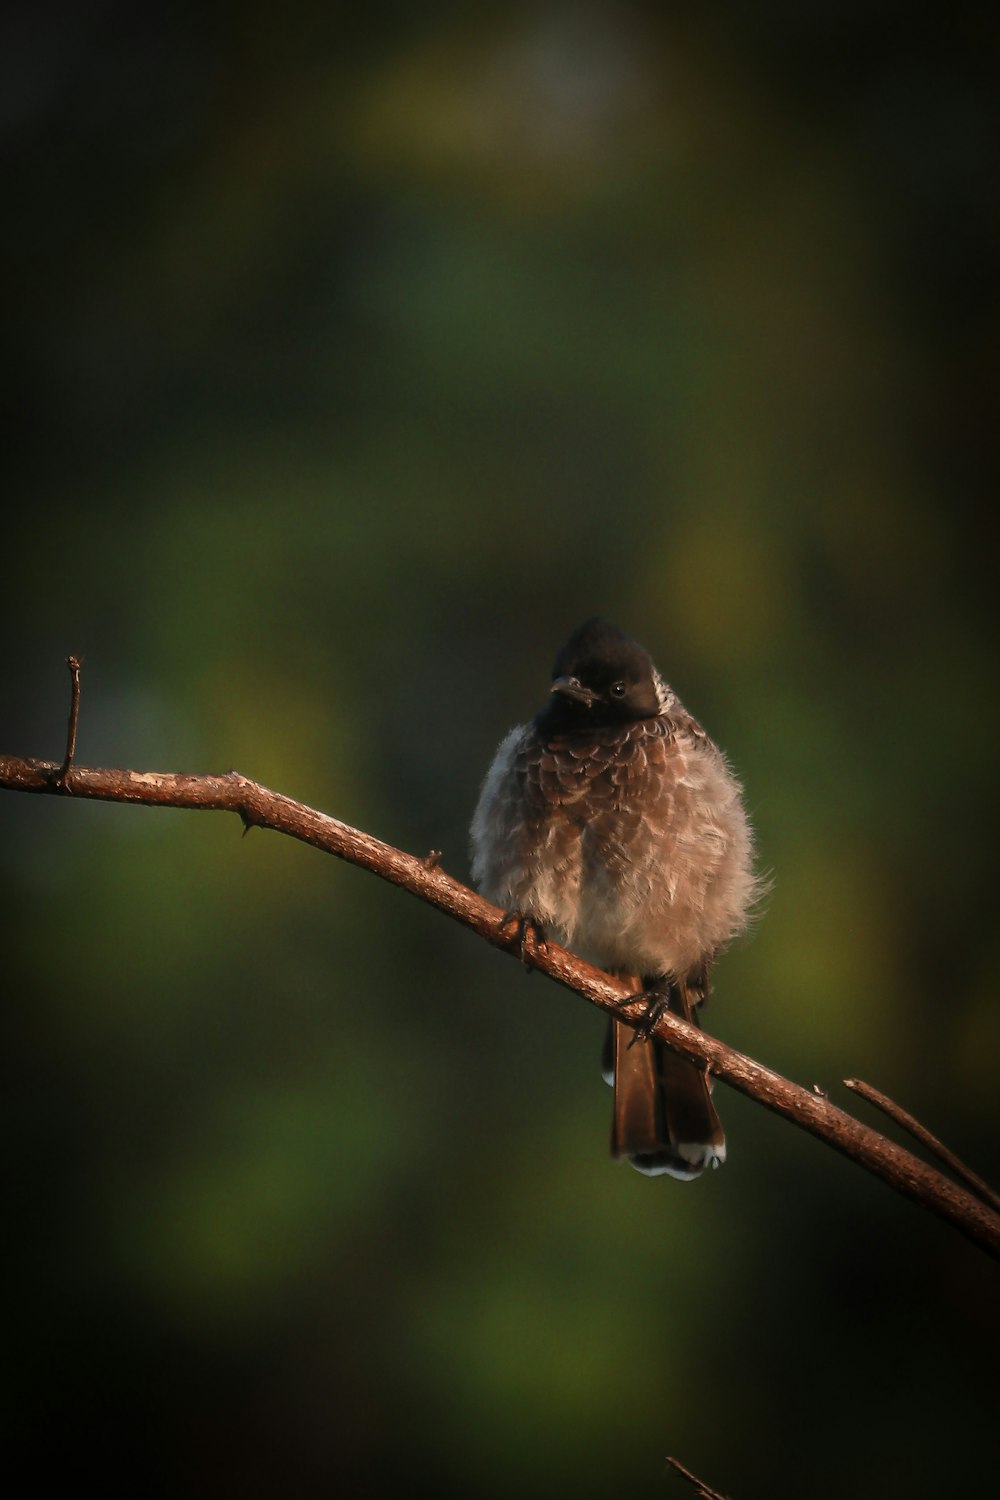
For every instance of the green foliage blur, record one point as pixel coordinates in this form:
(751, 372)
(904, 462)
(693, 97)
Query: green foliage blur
(352, 357)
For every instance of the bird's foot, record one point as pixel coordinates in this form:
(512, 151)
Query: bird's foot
(657, 1003)
(525, 928)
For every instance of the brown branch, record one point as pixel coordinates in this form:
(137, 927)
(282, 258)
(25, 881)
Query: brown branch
(261, 808)
(920, 1133)
(705, 1491)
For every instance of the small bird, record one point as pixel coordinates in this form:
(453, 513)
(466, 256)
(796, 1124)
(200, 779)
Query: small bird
(613, 824)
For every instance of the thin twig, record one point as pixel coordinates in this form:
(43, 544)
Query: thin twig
(923, 1135)
(704, 1490)
(59, 780)
(257, 806)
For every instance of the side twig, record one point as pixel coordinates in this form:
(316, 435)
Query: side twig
(705, 1491)
(74, 663)
(923, 1135)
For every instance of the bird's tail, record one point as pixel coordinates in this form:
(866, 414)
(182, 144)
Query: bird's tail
(664, 1119)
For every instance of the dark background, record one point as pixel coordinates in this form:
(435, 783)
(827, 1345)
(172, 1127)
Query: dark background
(352, 356)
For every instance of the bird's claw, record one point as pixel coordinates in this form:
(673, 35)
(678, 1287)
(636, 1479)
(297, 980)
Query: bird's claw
(524, 927)
(657, 1003)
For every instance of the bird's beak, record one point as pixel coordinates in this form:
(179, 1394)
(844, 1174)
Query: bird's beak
(572, 688)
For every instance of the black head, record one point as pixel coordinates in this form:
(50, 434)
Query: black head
(601, 676)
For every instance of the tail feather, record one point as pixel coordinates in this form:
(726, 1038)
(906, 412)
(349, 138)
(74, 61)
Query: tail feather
(664, 1120)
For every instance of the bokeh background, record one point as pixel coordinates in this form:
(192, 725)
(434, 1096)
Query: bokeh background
(352, 356)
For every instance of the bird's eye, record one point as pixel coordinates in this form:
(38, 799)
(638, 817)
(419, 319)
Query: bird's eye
(618, 690)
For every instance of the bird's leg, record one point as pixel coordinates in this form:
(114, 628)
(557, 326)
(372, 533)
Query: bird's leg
(524, 927)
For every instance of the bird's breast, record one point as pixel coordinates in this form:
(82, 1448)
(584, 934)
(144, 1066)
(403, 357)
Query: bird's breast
(631, 837)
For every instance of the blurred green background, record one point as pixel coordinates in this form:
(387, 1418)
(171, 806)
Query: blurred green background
(353, 355)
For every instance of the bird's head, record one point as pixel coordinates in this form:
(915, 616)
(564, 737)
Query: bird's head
(601, 676)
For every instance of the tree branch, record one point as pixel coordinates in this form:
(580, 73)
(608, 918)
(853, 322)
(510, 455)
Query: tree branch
(705, 1492)
(260, 808)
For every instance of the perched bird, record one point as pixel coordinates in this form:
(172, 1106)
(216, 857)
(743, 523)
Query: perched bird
(613, 824)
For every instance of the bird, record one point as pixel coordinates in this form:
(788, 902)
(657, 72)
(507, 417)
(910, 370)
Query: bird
(613, 824)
